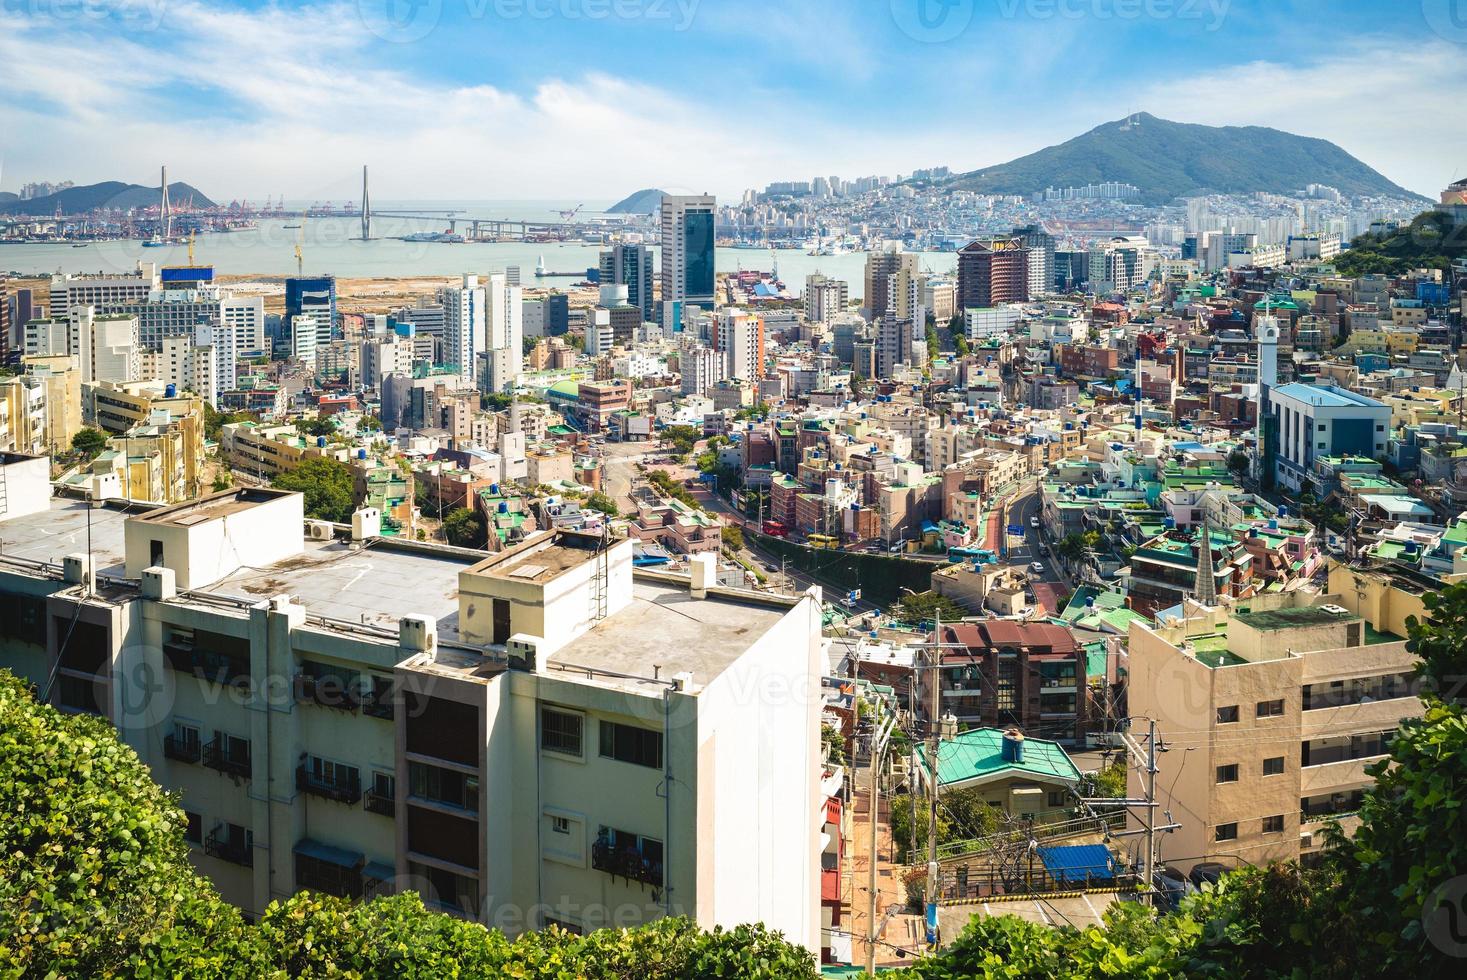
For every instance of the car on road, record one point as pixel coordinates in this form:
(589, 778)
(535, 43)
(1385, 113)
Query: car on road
(1037, 567)
(1034, 523)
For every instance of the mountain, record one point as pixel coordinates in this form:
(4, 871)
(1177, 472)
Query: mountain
(1171, 159)
(7, 196)
(642, 202)
(108, 194)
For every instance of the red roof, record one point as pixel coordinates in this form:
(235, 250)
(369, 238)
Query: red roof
(1035, 637)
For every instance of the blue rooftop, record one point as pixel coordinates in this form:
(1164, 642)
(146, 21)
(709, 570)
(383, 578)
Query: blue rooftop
(1327, 396)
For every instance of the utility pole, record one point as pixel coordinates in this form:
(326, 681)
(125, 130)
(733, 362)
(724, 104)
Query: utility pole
(1147, 804)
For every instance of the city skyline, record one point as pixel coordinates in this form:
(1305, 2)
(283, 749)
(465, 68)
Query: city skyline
(501, 99)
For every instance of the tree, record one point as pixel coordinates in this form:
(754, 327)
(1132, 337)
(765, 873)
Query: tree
(222, 480)
(94, 871)
(603, 503)
(1441, 641)
(320, 426)
(1238, 461)
(926, 605)
(733, 537)
(89, 442)
(682, 438)
(465, 528)
(215, 421)
(95, 881)
(328, 486)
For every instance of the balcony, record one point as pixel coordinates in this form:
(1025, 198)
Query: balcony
(347, 789)
(236, 763)
(182, 750)
(328, 692)
(379, 803)
(217, 668)
(1330, 777)
(228, 847)
(379, 704)
(626, 863)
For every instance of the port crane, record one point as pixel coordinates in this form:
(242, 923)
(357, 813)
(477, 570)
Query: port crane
(571, 214)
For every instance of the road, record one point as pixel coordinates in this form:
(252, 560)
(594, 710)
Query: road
(1021, 510)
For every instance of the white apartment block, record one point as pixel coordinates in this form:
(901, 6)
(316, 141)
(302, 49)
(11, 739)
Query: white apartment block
(993, 321)
(825, 298)
(533, 737)
(741, 341)
(701, 367)
(464, 337)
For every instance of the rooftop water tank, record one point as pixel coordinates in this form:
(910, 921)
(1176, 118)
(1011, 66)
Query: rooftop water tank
(171, 391)
(320, 442)
(361, 454)
(504, 506)
(494, 488)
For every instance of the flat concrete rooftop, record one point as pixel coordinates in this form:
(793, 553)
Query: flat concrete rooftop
(665, 627)
(62, 530)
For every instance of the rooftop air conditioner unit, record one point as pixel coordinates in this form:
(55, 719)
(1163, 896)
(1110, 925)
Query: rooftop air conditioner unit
(1335, 610)
(319, 530)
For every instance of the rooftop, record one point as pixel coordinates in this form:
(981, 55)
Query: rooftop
(1327, 396)
(1271, 620)
(977, 756)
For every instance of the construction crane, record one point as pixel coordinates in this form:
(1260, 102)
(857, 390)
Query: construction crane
(571, 214)
(299, 241)
(191, 247)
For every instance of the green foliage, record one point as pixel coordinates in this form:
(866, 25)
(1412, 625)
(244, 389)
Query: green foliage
(89, 441)
(328, 485)
(494, 401)
(215, 421)
(963, 815)
(94, 871)
(222, 480)
(758, 410)
(733, 537)
(320, 426)
(1441, 641)
(934, 347)
(1238, 461)
(465, 528)
(1431, 241)
(680, 438)
(926, 605)
(95, 881)
(1110, 781)
(1170, 159)
(706, 461)
(371, 423)
(1074, 546)
(603, 503)
(835, 742)
(669, 487)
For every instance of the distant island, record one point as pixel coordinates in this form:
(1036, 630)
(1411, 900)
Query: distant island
(646, 201)
(108, 194)
(1167, 160)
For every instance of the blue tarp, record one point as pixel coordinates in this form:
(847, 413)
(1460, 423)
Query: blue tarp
(1078, 863)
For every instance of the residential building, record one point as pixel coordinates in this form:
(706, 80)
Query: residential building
(536, 737)
(881, 265)
(991, 272)
(1324, 420)
(315, 297)
(825, 298)
(464, 328)
(1272, 709)
(630, 265)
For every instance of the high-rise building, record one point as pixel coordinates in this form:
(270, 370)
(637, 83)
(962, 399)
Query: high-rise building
(464, 337)
(1041, 258)
(557, 314)
(993, 271)
(740, 339)
(630, 265)
(504, 324)
(688, 223)
(701, 367)
(894, 343)
(313, 296)
(881, 265)
(825, 298)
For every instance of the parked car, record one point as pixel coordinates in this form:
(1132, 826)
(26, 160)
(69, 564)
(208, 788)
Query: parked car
(1037, 567)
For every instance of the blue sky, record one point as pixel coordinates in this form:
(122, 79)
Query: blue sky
(595, 98)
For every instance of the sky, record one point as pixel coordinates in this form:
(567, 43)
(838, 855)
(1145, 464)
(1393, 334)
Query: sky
(593, 99)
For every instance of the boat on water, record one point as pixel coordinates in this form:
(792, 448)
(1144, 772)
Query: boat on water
(291, 226)
(156, 242)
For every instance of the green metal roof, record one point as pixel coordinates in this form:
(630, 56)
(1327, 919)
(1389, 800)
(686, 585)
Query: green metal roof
(977, 755)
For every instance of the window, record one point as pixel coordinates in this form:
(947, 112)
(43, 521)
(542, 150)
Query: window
(1228, 773)
(1270, 709)
(1227, 715)
(384, 785)
(1274, 766)
(194, 832)
(561, 825)
(560, 731)
(155, 552)
(444, 786)
(1225, 831)
(627, 743)
(1273, 825)
(1321, 427)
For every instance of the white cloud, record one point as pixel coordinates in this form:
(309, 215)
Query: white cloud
(303, 97)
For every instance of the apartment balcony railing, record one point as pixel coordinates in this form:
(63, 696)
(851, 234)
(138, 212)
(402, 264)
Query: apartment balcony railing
(625, 863)
(216, 756)
(228, 848)
(182, 750)
(328, 692)
(379, 803)
(343, 790)
(378, 705)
